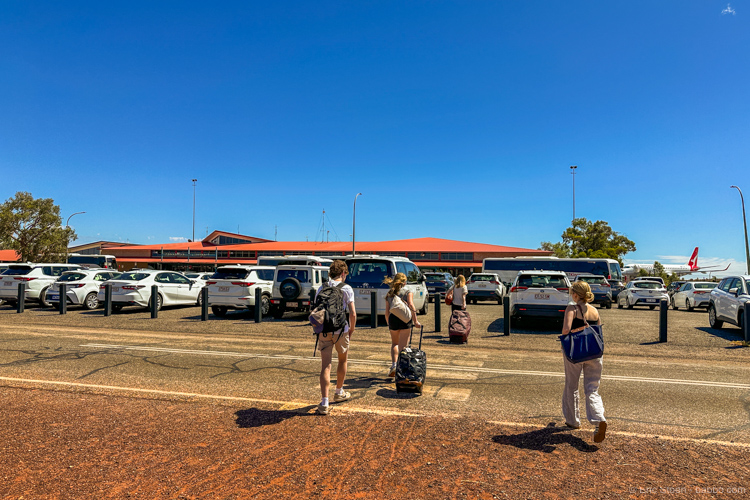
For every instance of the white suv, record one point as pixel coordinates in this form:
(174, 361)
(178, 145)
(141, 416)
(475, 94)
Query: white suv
(540, 294)
(82, 286)
(485, 286)
(727, 301)
(366, 275)
(38, 278)
(292, 286)
(233, 287)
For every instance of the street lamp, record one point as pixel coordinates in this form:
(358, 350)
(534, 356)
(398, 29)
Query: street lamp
(71, 215)
(573, 171)
(194, 181)
(354, 221)
(744, 220)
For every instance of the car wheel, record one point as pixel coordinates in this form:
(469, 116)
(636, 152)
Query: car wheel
(277, 312)
(290, 288)
(500, 301)
(116, 308)
(91, 301)
(713, 321)
(265, 305)
(652, 307)
(687, 304)
(630, 306)
(423, 311)
(43, 298)
(674, 304)
(741, 322)
(608, 305)
(619, 304)
(220, 311)
(158, 302)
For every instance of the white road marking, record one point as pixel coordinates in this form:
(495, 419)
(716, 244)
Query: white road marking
(296, 405)
(449, 368)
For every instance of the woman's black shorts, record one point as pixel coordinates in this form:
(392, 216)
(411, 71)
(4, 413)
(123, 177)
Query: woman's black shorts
(395, 323)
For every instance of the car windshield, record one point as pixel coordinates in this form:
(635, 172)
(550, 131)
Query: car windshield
(224, 273)
(647, 285)
(481, 277)
(705, 286)
(17, 271)
(133, 276)
(594, 280)
(300, 275)
(369, 271)
(532, 281)
(71, 277)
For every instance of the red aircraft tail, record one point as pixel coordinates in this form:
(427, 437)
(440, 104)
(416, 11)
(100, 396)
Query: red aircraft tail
(693, 262)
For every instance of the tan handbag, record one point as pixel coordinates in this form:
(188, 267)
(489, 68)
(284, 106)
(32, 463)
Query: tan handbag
(400, 309)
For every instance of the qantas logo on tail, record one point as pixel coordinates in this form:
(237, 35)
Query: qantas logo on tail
(693, 262)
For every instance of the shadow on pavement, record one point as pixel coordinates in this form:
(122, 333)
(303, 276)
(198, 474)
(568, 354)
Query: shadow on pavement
(545, 440)
(254, 417)
(392, 394)
(734, 334)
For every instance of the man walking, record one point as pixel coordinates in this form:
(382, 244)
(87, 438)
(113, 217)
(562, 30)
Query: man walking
(340, 339)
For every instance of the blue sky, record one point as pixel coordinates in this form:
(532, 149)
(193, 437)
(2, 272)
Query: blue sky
(455, 120)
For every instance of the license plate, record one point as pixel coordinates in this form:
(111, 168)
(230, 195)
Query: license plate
(482, 286)
(292, 304)
(8, 283)
(365, 292)
(223, 288)
(432, 289)
(115, 288)
(53, 296)
(543, 296)
(650, 300)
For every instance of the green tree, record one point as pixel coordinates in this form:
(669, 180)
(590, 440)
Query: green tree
(32, 227)
(590, 239)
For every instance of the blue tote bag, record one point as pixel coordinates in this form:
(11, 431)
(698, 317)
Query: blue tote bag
(585, 345)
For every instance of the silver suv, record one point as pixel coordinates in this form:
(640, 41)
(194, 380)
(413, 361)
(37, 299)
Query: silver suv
(484, 286)
(727, 301)
(292, 286)
(38, 279)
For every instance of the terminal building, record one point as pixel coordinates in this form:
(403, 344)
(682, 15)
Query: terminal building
(223, 248)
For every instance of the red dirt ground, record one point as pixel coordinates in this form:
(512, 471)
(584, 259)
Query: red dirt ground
(72, 445)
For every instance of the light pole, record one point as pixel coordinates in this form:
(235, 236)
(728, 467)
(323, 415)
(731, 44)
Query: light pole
(573, 171)
(194, 181)
(354, 221)
(744, 221)
(71, 215)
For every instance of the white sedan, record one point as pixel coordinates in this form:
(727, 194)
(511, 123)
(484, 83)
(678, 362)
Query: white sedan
(82, 286)
(693, 294)
(133, 288)
(642, 293)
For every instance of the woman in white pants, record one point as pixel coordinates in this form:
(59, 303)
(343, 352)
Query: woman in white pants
(574, 322)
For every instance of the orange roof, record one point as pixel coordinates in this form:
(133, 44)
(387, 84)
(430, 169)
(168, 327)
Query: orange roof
(410, 245)
(9, 256)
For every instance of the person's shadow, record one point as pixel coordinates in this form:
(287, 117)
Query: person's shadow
(253, 417)
(545, 440)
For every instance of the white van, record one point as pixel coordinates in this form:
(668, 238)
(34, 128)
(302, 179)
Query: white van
(293, 260)
(366, 275)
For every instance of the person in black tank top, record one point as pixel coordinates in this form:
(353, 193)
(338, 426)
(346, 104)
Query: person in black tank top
(575, 320)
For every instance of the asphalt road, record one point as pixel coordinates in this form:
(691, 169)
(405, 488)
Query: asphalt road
(697, 385)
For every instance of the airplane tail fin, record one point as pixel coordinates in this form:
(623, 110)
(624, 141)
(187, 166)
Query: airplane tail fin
(693, 262)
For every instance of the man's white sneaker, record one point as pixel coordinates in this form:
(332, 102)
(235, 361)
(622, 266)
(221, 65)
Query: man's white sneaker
(337, 398)
(601, 431)
(322, 410)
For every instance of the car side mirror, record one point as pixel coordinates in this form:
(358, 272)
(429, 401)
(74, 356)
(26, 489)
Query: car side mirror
(733, 291)
(422, 278)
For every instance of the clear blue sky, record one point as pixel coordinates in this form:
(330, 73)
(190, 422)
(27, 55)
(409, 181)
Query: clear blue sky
(454, 119)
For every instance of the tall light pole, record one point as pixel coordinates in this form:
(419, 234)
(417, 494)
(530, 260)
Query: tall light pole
(573, 171)
(71, 215)
(354, 222)
(194, 181)
(744, 221)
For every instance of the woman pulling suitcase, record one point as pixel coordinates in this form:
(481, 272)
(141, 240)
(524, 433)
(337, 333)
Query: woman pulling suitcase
(400, 314)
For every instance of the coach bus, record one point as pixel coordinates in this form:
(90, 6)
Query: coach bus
(507, 268)
(102, 261)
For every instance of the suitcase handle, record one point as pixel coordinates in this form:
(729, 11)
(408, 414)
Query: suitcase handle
(411, 335)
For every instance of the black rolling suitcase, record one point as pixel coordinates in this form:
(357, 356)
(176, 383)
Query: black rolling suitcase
(411, 367)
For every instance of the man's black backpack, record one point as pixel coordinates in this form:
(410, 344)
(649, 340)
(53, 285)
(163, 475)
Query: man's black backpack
(328, 314)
